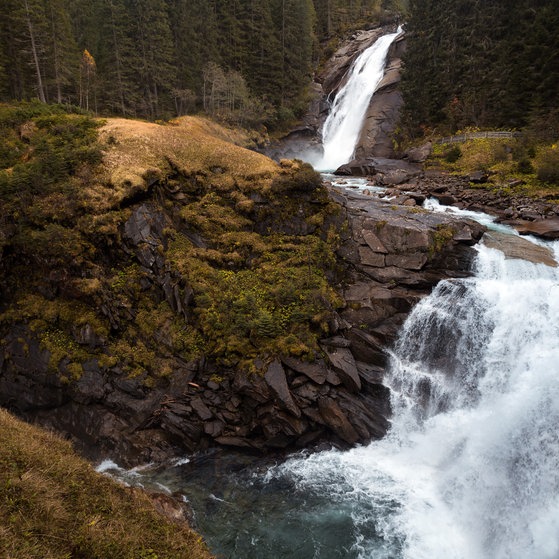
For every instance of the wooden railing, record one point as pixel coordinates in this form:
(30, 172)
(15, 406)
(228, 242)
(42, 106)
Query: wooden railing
(475, 135)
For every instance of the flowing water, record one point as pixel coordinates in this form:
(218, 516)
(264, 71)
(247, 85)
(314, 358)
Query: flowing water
(341, 130)
(469, 469)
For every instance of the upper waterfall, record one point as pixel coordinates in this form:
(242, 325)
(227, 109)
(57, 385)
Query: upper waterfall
(341, 130)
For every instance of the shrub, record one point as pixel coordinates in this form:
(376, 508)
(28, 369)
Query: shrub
(453, 154)
(525, 167)
(547, 164)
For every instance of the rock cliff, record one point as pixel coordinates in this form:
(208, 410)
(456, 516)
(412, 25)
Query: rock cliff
(200, 313)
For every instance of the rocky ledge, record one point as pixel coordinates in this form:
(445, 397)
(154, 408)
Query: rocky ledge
(394, 254)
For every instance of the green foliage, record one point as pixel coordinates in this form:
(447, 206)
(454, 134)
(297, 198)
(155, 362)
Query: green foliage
(486, 64)
(547, 164)
(525, 167)
(236, 285)
(258, 294)
(249, 62)
(453, 154)
(296, 176)
(530, 168)
(440, 238)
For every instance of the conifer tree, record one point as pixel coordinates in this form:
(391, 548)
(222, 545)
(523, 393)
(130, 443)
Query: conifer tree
(154, 54)
(62, 52)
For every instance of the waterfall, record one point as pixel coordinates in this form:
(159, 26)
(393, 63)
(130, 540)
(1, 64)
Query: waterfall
(341, 130)
(470, 468)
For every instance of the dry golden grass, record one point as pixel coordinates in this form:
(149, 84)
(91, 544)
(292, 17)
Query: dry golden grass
(137, 150)
(54, 505)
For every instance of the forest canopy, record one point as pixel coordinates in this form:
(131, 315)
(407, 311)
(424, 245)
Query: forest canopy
(487, 64)
(249, 61)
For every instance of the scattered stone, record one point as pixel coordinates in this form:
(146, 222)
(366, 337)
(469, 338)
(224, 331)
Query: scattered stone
(277, 381)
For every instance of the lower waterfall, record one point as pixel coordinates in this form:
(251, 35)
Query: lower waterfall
(469, 469)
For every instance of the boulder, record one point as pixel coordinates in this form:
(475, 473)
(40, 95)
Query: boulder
(419, 154)
(517, 247)
(478, 177)
(277, 381)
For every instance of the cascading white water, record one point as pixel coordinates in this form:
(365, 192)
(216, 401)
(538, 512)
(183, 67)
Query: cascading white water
(470, 469)
(343, 125)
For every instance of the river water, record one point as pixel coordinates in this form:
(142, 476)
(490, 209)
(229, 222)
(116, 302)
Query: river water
(469, 469)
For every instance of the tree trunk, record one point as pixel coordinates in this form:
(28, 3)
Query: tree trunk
(40, 88)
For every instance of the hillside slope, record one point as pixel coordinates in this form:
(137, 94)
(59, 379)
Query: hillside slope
(55, 505)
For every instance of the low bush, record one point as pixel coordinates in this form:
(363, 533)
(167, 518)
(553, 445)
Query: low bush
(547, 164)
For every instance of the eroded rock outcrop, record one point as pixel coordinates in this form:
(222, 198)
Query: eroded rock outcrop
(393, 254)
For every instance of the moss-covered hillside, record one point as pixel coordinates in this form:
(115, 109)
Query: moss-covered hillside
(135, 256)
(53, 505)
(238, 237)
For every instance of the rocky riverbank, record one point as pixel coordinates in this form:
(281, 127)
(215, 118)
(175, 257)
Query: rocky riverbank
(201, 295)
(406, 183)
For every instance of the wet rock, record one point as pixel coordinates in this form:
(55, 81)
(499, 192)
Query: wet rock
(239, 442)
(336, 341)
(407, 261)
(517, 247)
(255, 387)
(343, 362)
(545, 228)
(277, 381)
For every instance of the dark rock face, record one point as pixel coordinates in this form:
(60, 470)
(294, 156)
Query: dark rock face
(393, 255)
(383, 113)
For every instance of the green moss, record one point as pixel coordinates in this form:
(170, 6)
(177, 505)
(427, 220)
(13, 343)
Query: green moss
(440, 238)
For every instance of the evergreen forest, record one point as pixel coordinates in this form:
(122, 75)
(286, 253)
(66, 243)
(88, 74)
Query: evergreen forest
(488, 64)
(249, 61)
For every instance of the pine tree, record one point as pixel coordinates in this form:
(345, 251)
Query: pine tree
(62, 52)
(295, 25)
(154, 55)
